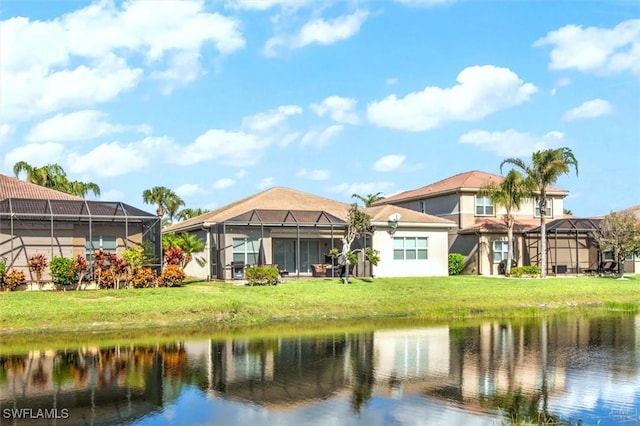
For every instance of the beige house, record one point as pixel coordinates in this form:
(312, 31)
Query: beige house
(296, 231)
(481, 233)
(38, 220)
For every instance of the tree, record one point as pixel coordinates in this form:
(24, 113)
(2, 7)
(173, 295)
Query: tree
(369, 199)
(620, 232)
(188, 213)
(509, 194)
(567, 212)
(164, 198)
(187, 242)
(545, 168)
(54, 177)
(359, 225)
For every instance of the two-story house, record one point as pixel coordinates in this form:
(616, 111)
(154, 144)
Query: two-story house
(481, 233)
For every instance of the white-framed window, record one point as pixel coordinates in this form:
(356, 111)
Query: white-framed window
(246, 250)
(422, 206)
(549, 207)
(106, 243)
(410, 248)
(500, 251)
(484, 206)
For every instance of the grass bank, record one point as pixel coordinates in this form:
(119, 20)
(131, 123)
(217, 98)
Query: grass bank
(201, 305)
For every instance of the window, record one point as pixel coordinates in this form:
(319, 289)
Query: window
(410, 248)
(484, 206)
(105, 243)
(246, 250)
(422, 207)
(549, 207)
(500, 251)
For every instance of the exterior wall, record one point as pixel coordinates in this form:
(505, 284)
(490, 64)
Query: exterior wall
(437, 263)
(444, 206)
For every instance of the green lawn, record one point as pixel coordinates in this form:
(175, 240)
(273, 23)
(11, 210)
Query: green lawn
(215, 304)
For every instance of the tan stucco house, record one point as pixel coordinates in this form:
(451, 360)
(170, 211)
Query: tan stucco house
(296, 231)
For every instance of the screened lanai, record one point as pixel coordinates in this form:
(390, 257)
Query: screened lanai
(66, 228)
(571, 246)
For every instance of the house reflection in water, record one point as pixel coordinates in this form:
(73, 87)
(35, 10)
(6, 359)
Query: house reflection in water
(516, 368)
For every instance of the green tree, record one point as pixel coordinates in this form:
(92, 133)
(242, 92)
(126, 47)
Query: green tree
(545, 168)
(54, 177)
(368, 199)
(509, 194)
(165, 199)
(359, 225)
(188, 213)
(620, 232)
(187, 242)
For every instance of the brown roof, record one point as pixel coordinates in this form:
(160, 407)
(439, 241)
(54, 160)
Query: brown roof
(382, 213)
(15, 188)
(468, 181)
(495, 225)
(277, 198)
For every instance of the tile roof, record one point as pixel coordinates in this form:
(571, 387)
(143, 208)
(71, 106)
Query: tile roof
(382, 213)
(15, 188)
(496, 225)
(468, 181)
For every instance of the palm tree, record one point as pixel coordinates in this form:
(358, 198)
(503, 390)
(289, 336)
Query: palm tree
(545, 168)
(164, 198)
(188, 213)
(509, 194)
(369, 199)
(81, 189)
(53, 176)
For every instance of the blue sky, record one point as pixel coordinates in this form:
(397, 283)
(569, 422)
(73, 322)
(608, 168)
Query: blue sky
(218, 100)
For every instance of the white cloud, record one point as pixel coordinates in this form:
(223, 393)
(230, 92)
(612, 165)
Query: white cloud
(511, 143)
(424, 2)
(187, 190)
(589, 109)
(230, 148)
(389, 163)
(261, 5)
(317, 174)
(565, 81)
(36, 57)
(265, 121)
(223, 183)
(36, 154)
(361, 188)
(338, 108)
(392, 81)
(75, 126)
(115, 159)
(266, 182)
(318, 31)
(320, 139)
(112, 195)
(595, 50)
(481, 91)
(5, 131)
(240, 174)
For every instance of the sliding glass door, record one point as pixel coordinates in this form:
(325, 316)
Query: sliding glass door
(284, 254)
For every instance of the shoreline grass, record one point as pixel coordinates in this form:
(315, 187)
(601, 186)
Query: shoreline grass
(210, 306)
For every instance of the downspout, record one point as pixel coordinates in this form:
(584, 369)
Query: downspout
(298, 248)
(577, 254)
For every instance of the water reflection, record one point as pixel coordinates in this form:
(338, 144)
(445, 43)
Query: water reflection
(544, 371)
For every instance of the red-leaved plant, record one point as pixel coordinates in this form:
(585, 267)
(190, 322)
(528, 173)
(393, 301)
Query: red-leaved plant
(174, 256)
(80, 266)
(37, 264)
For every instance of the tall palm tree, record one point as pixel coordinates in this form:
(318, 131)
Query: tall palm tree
(510, 194)
(369, 199)
(545, 168)
(164, 198)
(81, 189)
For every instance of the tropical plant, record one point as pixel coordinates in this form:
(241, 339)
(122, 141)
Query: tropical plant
(13, 279)
(62, 271)
(368, 199)
(109, 269)
(166, 200)
(37, 264)
(262, 275)
(174, 256)
(3, 269)
(187, 242)
(456, 261)
(171, 276)
(509, 193)
(80, 267)
(53, 176)
(619, 233)
(133, 259)
(143, 278)
(188, 213)
(545, 168)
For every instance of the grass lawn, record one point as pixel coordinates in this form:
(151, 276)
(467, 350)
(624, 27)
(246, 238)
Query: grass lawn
(210, 305)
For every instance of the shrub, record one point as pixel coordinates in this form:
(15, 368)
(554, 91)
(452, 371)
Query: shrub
(525, 271)
(456, 261)
(62, 271)
(3, 268)
(143, 278)
(174, 256)
(80, 266)
(13, 279)
(37, 264)
(262, 275)
(171, 276)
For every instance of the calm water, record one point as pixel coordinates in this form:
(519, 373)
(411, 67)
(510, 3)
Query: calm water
(574, 370)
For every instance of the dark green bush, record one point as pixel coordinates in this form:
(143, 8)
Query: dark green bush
(525, 271)
(262, 275)
(456, 261)
(3, 268)
(62, 271)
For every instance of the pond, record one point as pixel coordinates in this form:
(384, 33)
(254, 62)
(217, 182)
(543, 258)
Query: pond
(550, 370)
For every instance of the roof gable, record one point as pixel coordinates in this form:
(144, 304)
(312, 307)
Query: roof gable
(382, 213)
(15, 188)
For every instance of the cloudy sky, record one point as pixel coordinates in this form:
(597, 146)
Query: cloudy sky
(220, 99)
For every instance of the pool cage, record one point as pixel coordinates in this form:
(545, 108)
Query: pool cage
(66, 228)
